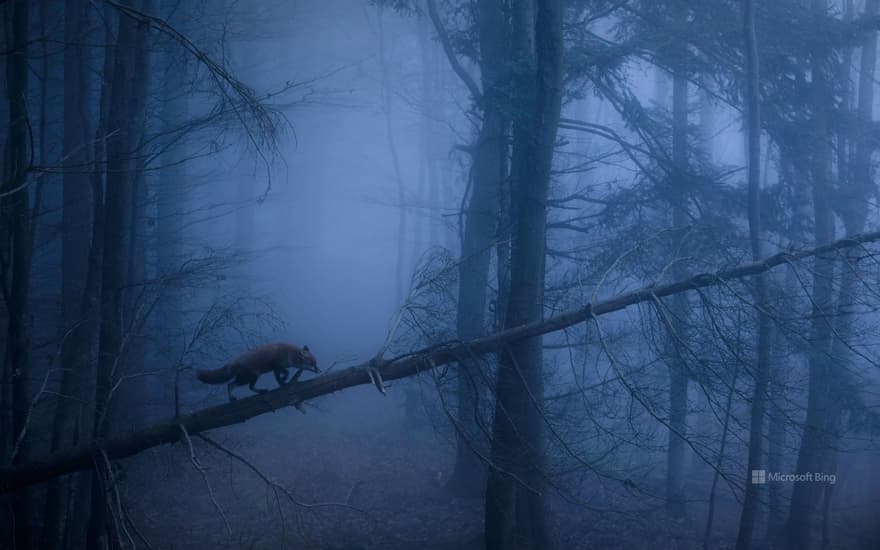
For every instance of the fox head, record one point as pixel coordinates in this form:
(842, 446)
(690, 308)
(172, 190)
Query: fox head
(307, 360)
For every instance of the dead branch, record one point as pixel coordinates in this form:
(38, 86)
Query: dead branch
(227, 414)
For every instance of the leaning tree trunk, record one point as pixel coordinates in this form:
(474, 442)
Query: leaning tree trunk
(762, 370)
(813, 442)
(16, 214)
(488, 175)
(515, 516)
(408, 364)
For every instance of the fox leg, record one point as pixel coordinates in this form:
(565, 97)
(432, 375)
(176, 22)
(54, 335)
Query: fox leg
(296, 375)
(255, 389)
(229, 387)
(281, 376)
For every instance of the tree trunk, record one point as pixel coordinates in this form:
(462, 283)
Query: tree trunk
(76, 212)
(408, 364)
(488, 175)
(515, 516)
(814, 441)
(678, 378)
(762, 370)
(16, 214)
(128, 89)
(856, 196)
(402, 218)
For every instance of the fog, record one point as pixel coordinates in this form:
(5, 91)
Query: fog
(439, 274)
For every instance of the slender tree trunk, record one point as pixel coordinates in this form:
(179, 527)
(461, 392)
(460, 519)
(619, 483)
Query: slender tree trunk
(814, 441)
(76, 212)
(719, 463)
(678, 378)
(402, 219)
(488, 174)
(16, 214)
(515, 515)
(855, 198)
(762, 370)
(776, 433)
(128, 90)
(79, 496)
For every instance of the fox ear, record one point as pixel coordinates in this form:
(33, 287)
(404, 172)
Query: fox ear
(305, 348)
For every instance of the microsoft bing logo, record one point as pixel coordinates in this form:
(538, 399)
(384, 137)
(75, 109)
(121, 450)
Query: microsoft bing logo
(759, 477)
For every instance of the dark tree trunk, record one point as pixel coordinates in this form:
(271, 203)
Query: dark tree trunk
(814, 440)
(76, 212)
(855, 198)
(678, 379)
(16, 215)
(488, 175)
(127, 96)
(515, 516)
(762, 370)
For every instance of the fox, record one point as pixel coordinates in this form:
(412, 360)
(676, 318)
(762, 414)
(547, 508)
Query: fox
(247, 367)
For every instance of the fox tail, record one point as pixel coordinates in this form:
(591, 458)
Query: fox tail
(215, 376)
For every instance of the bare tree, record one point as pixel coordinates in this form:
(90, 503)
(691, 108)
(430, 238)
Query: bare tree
(762, 367)
(487, 177)
(515, 515)
(15, 201)
(126, 122)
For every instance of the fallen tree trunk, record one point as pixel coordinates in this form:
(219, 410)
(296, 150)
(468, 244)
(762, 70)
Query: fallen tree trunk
(170, 431)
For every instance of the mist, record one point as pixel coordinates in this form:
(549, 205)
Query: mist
(439, 274)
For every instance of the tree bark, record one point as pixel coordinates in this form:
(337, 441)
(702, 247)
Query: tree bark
(678, 377)
(488, 175)
(515, 516)
(128, 89)
(814, 441)
(76, 212)
(855, 198)
(16, 213)
(762, 370)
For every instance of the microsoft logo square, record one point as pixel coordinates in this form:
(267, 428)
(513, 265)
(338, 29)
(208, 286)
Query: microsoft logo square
(759, 477)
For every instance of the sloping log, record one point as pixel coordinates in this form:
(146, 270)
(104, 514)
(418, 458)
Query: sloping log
(170, 431)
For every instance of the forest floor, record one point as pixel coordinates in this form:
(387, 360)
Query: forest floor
(361, 479)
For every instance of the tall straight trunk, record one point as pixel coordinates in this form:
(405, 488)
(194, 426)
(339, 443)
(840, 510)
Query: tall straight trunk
(515, 515)
(789, 346)
(776, 433)
(678, 379)
(134, 307)
(16, 214)
(79, 496)
(402, 218)
(173, 191)
(855, 197)
(762, 370)
(814, 441)
(422, 220)
(488, 175)
(128, 89)
(707, 124)
(75, 237)
(854, 212)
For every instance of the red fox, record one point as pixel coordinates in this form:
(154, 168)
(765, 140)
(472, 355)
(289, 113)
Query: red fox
(247, 367)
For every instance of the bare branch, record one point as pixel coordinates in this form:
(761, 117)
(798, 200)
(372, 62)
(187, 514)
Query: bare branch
(465, 77)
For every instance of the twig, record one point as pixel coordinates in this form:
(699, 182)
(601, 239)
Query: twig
(198, 466)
